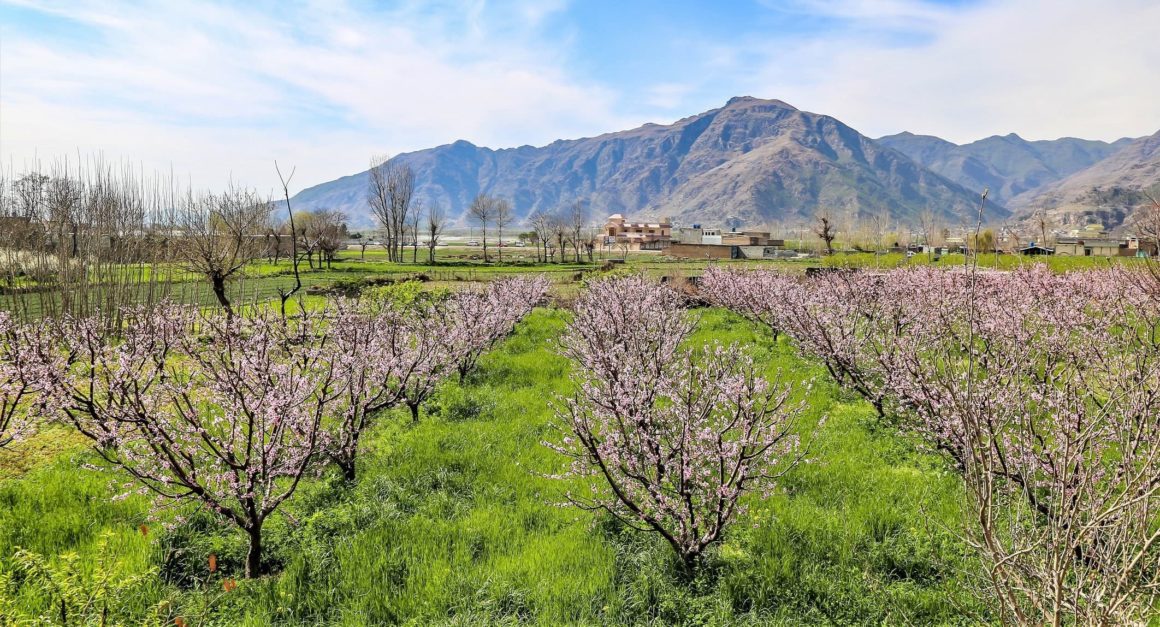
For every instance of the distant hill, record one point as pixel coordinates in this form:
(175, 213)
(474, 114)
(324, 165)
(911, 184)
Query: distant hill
(1008, 165)
(1107, 192)
(750, 162)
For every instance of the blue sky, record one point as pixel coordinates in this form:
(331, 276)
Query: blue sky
(217, 91)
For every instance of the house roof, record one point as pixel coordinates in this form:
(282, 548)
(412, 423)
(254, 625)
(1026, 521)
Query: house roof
(1089, 241)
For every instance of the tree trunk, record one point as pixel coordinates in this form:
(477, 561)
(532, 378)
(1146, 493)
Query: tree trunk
(431, 254)
(689, 562)
(414, 407)
(348, 469)
(254, 556)
(219, 290)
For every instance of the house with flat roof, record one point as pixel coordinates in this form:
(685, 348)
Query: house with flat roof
(638, 235)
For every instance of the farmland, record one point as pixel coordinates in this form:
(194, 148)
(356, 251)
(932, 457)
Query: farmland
(462, 516)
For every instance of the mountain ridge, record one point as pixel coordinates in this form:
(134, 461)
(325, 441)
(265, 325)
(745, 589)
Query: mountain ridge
(751, 161)
(1006, 164)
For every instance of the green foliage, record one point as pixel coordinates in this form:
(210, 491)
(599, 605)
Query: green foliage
(454, 522)
(1057, 263)
(77, 591)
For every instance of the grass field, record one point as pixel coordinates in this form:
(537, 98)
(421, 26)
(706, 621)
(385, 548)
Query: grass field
(452, 522)
(455, 265)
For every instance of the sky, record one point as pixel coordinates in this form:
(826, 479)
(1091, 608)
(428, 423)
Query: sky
(216, 92)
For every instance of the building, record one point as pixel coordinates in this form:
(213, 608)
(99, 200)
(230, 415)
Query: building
(1135, 247)
(750, 238)
(1035, 250)
(697, 235)
(703, 251)
(637, 235)
(1089, 246)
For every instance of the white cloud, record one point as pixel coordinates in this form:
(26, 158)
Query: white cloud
(224, 91)
(219, 91)
(1041, 68)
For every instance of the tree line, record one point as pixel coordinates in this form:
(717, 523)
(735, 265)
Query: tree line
(91, 238)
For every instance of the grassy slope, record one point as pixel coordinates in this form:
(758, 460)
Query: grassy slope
(452, 522)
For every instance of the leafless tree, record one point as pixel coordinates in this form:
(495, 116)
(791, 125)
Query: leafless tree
(825, 229)
(482, 212)
(926, 222)
(413, 221)
(1043, 222)
(31, 192)
(220, 234)
(283, 293)
(1146, 220)
(560, 233)
(502, 216)
(390, 194)
(363, 242)
(590, 246)
(541, 223)
(436, 221)
(276, 234)
(577, 219)
(324, 231)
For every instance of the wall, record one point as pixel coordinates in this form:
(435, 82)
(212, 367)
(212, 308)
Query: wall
(702, 251)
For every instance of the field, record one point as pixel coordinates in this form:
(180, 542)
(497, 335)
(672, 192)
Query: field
(453, 522)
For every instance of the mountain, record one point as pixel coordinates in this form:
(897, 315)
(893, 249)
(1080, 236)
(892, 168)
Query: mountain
(750, 162)
(1009, 165)
(1107, 192)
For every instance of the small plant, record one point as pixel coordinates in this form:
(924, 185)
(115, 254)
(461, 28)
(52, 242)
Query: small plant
(78, 595)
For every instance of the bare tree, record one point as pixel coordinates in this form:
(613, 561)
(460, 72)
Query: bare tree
(322, 231)
(1146, 220)
(577, 220)
(220, 234)
(276, 233)
(926, 222)
(1043, 222)
(541, 223)
(560, 233)
(413, 220)
(502, 216)
(390, 195)
(333, 234)
(283, 293)
(436, 221)
(482, 212)
(31, 191)
(307, 237)
(824, 228)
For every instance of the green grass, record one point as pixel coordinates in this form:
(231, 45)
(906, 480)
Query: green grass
(261, 280)
(986, 260)
(452, 522)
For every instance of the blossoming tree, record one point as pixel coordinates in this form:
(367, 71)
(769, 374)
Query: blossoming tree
(668, 437)
(27, 357)
(222, 410)
(1042, 389)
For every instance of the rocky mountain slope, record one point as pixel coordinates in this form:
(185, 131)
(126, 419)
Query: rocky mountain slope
(1108, 192)
(1009, 165)
(750, 162)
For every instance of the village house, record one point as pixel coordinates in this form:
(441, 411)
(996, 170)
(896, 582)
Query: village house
(705, 243)
(638, 235)
(697, 235)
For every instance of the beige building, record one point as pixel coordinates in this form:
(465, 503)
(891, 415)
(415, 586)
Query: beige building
(1088, 246)
(638, 235)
